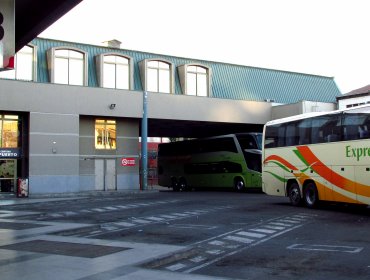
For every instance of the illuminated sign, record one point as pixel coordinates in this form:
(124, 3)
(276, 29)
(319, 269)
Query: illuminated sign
(10, 153)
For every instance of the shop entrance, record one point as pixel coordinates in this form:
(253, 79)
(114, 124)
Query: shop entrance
(8, 175)
(105, 174)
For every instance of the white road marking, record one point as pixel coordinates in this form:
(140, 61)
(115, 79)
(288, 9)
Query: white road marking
(326, 248)
(214, 252)
(154, 219)
(280, 224)
(125, 224)
(274, 227)
(198, 259)
(140, 221)
(176, 267)
(98, 210)
(264, 230)
(241, 249)
(251, 234)
(239, 239)
(216, 242)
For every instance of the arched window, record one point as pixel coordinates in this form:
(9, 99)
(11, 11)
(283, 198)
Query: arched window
(68, 66)
(114, 71)
(24, 65)
(195, 79)
(157, 76)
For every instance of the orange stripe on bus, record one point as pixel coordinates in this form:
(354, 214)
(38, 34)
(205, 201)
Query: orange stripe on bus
(331, 176)
(281, 160)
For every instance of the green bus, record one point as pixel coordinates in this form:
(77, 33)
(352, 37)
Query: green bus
(227, 161)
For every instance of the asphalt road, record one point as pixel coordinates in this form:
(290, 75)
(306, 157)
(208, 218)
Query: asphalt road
(220, 233)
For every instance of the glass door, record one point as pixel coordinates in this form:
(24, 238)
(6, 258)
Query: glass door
(8, 175)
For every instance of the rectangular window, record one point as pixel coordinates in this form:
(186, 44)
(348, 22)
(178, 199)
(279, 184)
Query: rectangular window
(122, 77)
(61, 71)
(105, 134)
(109, 76)
(202, 85)
(76, 72)
(152, 80)
(164, 81)
(8, 131)
(191, 84)
(24, 65)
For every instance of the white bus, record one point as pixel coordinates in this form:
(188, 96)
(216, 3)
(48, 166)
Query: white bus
(318, 156)
(227, 161)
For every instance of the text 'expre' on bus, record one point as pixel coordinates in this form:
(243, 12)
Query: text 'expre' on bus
(227, 161)
(319, 157)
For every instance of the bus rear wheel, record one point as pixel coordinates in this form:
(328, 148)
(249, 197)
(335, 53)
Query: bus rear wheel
(239, 184)
(294, 194)
(310, 195)
(175, 185)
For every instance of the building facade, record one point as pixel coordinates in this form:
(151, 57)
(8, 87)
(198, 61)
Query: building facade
(357, 97)
(70, 114)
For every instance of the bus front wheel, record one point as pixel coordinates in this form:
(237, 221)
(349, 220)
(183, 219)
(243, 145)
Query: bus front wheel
(310, 195)
(183, 186)
(294, 194)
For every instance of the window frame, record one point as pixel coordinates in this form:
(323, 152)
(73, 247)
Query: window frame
(105, 122)
(99, 60)
(144, 66)
(14, 72)
(184, 81)
(51, 64)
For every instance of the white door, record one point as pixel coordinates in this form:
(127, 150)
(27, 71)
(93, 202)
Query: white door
(99, 174)
(110, 174)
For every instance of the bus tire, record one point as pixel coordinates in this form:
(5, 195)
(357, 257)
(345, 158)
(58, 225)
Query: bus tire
(183, 186)
(310, 195)
(294, 194)
(239, 184)
(175, 185)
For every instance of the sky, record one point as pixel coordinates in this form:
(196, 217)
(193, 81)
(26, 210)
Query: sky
(319, 37)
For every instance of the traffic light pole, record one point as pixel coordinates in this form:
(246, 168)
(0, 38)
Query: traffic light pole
(144, 143)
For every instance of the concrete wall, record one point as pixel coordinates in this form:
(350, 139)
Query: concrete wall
(355, 100)
(54, 152)
(184, 107)
(287, 110)
(127, 146)
(62, 117)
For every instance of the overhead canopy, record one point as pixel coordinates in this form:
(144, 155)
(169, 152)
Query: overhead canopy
(34, 16)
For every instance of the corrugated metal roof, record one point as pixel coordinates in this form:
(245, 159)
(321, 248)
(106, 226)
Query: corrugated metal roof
(229, 81)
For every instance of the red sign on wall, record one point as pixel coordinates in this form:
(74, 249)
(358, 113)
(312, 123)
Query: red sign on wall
(128, 162)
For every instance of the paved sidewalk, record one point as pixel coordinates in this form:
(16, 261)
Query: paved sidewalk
(11, 199)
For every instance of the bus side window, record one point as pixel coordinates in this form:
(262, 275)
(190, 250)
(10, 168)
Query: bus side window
(332, 129)
(292, 136)
(271, 137)
(355, 126)
(304, 130)
(364, 132)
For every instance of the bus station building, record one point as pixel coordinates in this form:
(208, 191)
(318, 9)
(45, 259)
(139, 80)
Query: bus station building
(70, 113)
